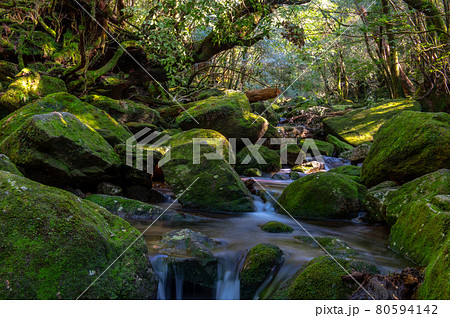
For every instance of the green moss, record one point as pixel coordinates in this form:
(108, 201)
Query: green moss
(352, 172)
(133, 209)
(276, 227)
(229, 115)
(339, 145)
(125, 111)
(68, 242)
(271, 157)
(325, 148)
(252, 172)
(322, 195)
(259, 263)
(293, 154)
(321, 278)
(374, 201)
(266, 111)
(218, 186)
(332, 245)
(359, 126)
(28, 86)
(7, 72)
(89, 115)
(7, 165)
(357, 154)
(58, 149)
(408, 146)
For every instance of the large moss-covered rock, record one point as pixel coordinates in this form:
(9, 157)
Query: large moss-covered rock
(322, 195)
(7, 72)
(246, 160)
(437, 276)
(7, 165)
(266, 111)
(125, 111)
(252, 172)
(419, 217)
(323, 147)
(230, 115)
(89, 115)
(133, 209)
(58, 149)
(359, 126)
(339, 145)
(352, 172)
(293, 155)
(28, 86)
(54, 245)
(190, 255)
(260, 262)
(321, 278)
(408, 146)
(374, 201)
(210, 184)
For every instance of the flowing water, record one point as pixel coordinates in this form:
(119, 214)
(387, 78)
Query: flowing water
(239, 232)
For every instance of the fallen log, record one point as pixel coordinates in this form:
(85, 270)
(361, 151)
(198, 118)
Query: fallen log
(260, 95)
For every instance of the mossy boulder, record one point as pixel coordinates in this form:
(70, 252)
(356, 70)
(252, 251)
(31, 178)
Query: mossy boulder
(252, 172)
(190, 255)
(276, 227)
(323, 195)
(7, 72)
(321, 278)
(125, 111)
(58, 149)
(89, 115)
(339, 145)
(309, 167)
(133, 209)
(261, 261)
(323, 147)
(352, 172)
(357, 154)
(331, 244)
(54, 245)
(437, 276)
(213, 184)
(230, 115)
(7, 165)
(418, 217)
(408, 146)
(374, 201)
(246, 160)
(28, 86)
(360, 126)
(265, 110)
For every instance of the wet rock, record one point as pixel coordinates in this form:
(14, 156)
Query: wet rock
(260, 262)
(7, 165)
(144, 194)
(28, 86)
(58, 149)
(321, 278)
(252, 172)
(360, 126)
(294, 175)
(309, 167)
(358, 154)
(190, 254)
(281, 176)
(332, 245)
(276, 227)
(294, 155)
(89, 115)
(245, 160)
(407, 147)
(229, 115)
(59, 233)
(133, 209)
(323, 195)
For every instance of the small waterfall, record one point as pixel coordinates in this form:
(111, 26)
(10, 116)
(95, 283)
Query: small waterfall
(260, 206)
(228, 284)
(166, 279)
(161, 269)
